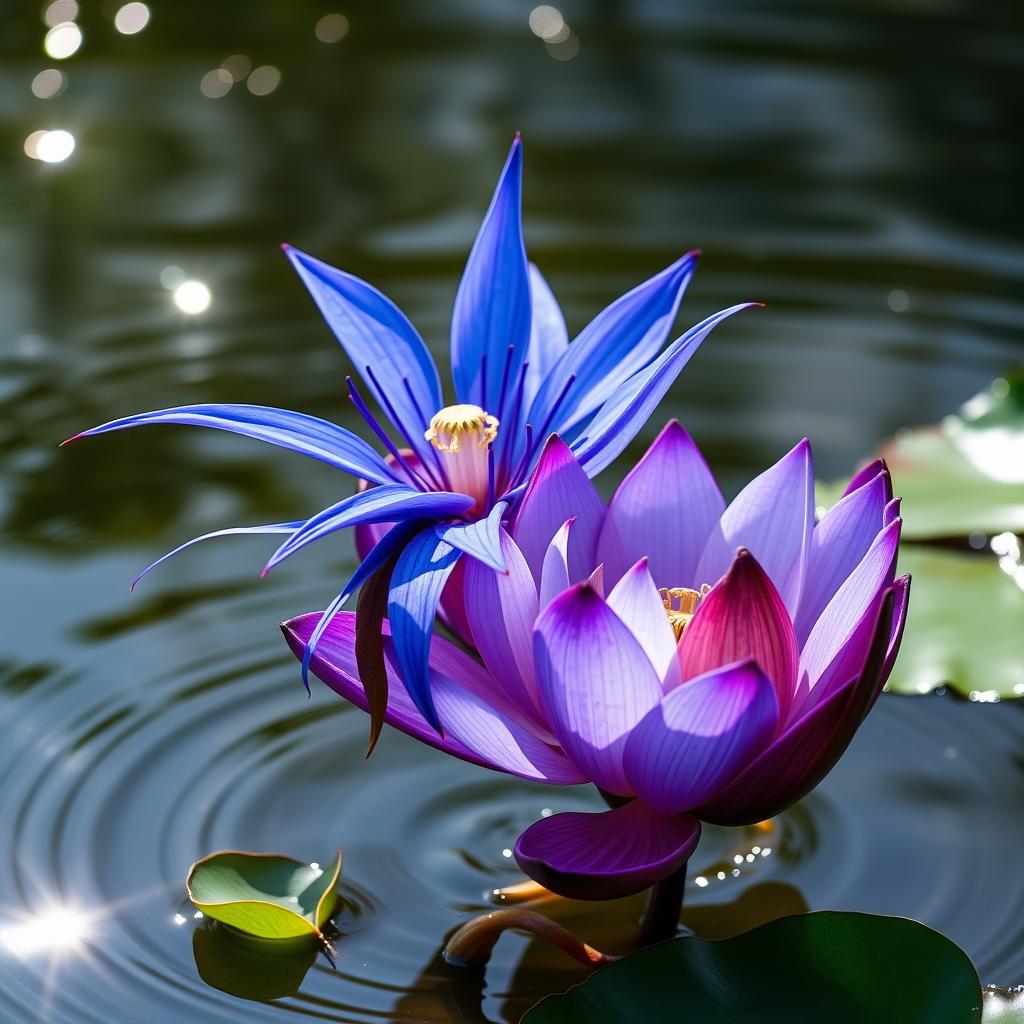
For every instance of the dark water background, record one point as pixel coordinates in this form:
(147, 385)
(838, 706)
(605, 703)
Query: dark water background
(856, 165)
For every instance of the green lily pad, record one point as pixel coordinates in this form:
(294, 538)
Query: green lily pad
(964, 475)
(1003, 1008)
(837, 967)
(265, 895)
(964, 624)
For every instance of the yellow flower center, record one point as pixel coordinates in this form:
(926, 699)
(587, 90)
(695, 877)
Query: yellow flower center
(681, 605)
(448, 426)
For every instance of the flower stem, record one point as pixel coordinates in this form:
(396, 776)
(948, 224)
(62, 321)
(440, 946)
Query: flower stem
(661, 917)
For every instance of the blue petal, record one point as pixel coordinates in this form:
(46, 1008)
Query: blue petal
(420, 574)
(383, 504)
(481, 539)
(381, 552)
(618, 342)
(295, 430)
(548, 335)
(270, 528)
(492, 305)
(375, 333)
(623, 416)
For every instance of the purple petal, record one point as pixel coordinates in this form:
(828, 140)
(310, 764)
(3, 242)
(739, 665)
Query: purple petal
(377, 336)
(700, 737)
(772, 517)
(473, 729)
(481, 539)
(548, 336)
(416, 585)
(835, 630)
(308, 435)
(838, 543)
(665, 508)
(501, 610)
(867, 474)
(595, 682)
(608, 855)
(270, 528)
(492, 305)
(624, 414)
(618, 342)
(801, 756)
(384, 503)
(743, 617)
(554, 576)
(558, 489)
(635, 599)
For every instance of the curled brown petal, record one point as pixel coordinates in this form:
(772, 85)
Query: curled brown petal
(473, 943)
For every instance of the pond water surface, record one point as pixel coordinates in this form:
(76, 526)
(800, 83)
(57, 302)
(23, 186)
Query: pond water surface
(854, 165)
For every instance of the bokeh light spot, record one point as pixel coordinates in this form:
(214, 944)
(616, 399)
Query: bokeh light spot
(192, 297)
(263, 80)
(58, 11)
(216, 83)
(331, 28)
(48, 83)
(131, 18)
(62, 40)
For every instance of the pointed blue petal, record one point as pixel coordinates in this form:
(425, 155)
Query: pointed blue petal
(481, 539)
(394, 539)
(492, 305)
(420, 574)
(548, 335)
(270, 528)
(623, 416)
(383, 504)
(294, 430)
(618, 342)
(375, 333)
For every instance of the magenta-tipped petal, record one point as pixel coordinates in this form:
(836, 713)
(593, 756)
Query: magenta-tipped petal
(866, 474)
(607, 855)
(700, 737)
(635, 599)
(806, 751)
(743, 617)
(665, 508)
(559, 489)
(554, 573)
(772, 517)
(595, 683)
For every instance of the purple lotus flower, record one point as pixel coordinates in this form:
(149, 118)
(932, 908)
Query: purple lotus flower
(733, 658)
(517, 379)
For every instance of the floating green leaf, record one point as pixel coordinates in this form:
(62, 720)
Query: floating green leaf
(1003, 1008)
(964, 624)
(965, 475)
(836, 967)
(263, 894)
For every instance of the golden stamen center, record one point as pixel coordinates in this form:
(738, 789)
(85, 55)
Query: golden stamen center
(449, 425)
(681, 605)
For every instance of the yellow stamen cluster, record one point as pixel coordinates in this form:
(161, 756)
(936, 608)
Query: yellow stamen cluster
(448, 426)
(681, 605)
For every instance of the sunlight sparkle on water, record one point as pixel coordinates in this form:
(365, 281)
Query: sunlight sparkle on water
(131, 18)
(192, 297)
(62, 40)
(48, 83)
(53, 931)
(60, 10)
(50, 147)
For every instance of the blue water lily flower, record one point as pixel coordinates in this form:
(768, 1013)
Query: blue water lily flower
(455, 471)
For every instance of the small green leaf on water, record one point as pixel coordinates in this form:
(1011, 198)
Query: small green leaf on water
(263, 894)
(964, 625)
(839, 968)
